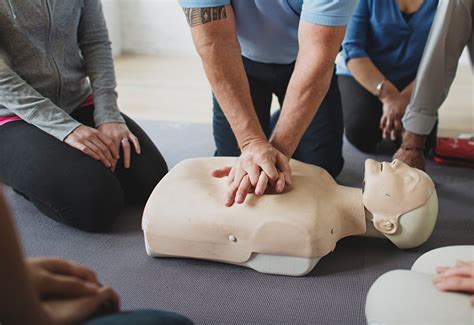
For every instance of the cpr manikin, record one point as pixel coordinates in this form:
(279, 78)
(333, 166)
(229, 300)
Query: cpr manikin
(285, 233)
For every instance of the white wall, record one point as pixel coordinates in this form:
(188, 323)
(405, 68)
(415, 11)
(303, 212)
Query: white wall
(112, 16)
(154, 27)
(465, 59)
(148, 27)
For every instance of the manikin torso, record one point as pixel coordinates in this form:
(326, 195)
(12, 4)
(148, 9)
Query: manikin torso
(186, 217)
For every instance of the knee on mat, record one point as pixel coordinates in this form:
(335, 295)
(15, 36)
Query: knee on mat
(361, 139)
(97, 206)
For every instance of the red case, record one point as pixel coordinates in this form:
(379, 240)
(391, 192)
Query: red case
(454, 152)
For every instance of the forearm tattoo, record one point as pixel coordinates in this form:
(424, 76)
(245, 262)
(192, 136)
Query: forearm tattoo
(201, 16)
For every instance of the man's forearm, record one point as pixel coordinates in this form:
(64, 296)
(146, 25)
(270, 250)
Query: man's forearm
(304, 96)
(224, 68)
(221, 56)
(308, 85)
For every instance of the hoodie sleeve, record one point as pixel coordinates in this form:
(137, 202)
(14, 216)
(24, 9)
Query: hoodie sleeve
(24, 101)
(97, 53)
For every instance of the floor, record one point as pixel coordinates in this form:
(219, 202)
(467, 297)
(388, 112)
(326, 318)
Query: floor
(213, 293)
(176, 89)
(164, 89)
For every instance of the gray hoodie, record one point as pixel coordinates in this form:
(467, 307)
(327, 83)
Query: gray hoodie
(53, 55)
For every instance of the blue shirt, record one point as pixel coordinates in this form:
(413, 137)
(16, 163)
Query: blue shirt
(379, 31)
(268, 29)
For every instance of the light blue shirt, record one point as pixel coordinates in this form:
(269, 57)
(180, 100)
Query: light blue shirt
(268, 29)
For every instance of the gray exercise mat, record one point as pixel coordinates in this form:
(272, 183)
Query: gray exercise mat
(214, 293)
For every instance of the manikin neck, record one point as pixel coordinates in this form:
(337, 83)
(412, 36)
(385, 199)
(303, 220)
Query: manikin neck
(371, 231)
(351, 211)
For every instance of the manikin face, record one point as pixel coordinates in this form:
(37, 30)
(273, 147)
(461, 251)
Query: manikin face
(392, 189)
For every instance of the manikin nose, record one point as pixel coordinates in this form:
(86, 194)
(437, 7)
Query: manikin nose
(395, 163)
(390, 166)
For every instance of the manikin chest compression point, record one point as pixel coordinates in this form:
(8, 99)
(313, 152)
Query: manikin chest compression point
(283, 234)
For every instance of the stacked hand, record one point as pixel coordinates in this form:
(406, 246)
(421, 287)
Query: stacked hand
(394, 106)
(104, 143)
(69, 293)
(259, 166)
(459, 278)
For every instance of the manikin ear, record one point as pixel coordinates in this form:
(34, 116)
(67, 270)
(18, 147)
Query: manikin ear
(386, 225)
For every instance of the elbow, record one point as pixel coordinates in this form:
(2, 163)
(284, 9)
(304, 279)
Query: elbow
(323, 64)
(206, 49)
(207, 46)
(353, 52)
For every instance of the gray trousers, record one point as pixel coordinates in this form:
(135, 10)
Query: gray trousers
(452, 30)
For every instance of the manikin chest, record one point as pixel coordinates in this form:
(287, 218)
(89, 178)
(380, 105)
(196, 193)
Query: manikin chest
(186, 216)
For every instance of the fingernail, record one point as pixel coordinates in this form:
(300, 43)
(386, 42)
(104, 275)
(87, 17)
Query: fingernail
(92, 286)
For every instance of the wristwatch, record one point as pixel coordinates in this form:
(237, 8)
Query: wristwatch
(379, 87)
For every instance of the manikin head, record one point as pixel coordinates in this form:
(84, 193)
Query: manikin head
(402, 201)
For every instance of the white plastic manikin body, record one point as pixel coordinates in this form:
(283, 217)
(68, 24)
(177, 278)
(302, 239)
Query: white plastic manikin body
(285, 234)
(264, 263)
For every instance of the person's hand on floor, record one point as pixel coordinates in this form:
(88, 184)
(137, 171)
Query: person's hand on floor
(259, 166)
(121, 138)
(394, 106)
(79, 309)
(411, 151)
(459, 278)
(94, 144)
(69, 293)
(53, 277)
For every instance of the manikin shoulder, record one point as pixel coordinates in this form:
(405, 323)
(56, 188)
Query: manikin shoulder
(188, 207)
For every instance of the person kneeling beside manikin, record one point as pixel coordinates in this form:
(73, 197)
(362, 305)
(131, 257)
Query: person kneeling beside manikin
(287, 233)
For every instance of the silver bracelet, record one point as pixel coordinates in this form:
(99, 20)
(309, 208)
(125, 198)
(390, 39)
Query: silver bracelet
(379, 87)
